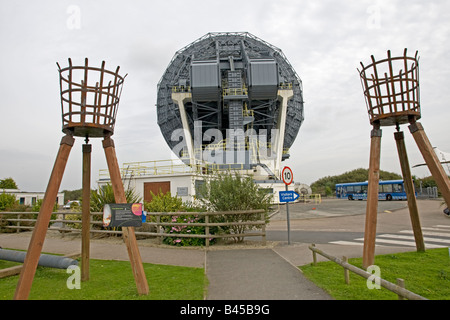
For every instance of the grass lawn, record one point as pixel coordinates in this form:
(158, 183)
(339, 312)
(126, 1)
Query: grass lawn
(111, 280)
(425, 273)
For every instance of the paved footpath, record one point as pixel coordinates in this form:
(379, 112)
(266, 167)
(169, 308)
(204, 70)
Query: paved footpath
(257, 274)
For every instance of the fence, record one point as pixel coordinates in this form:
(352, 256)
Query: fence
(398, 289)
(63, 225)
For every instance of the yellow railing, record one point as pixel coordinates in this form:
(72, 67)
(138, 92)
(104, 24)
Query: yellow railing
(235, 91)
(247, 112)
(316, 198)
(165, 167)
(176, 89)
(158, 167)
(285, 86)
(231, 91)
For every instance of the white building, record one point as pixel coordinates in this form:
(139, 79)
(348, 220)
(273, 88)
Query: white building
(30, 198)
(177, 178)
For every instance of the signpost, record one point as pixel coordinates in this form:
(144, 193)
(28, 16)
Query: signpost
(287, 177)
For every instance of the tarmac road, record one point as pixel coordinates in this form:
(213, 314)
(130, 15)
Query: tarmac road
(332, 208)
(328, 208)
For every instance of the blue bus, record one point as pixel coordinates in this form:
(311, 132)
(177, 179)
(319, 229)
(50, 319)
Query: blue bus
(387, 190)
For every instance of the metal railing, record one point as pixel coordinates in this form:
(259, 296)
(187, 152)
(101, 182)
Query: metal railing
(316, 198)
(165, 167)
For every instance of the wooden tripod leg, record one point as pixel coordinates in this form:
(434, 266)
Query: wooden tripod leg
(410, 193)
(86, 213)
(129, 236)
(431, 159)
(40, 229)
(372, 198)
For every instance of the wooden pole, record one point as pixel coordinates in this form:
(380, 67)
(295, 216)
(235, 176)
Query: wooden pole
(372, 197)
(40, 229)
(346, 272)
(431, 159)
(129, 236)
(86, 212)
(401, 284)
(410, 191)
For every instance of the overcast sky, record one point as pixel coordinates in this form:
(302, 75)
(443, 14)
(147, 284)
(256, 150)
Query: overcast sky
(324, 40)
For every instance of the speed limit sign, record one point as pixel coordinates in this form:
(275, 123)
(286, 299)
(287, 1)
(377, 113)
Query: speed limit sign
(287, 175)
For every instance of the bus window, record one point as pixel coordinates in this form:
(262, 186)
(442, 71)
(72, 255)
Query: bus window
(398, 187)
(387, 187)
(350, 189)
(357, 189)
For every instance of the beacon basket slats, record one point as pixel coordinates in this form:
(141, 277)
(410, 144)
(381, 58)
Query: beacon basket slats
(391, 89)
(89, 103)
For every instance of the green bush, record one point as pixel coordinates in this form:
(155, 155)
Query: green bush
(165, 202)
(37, 206)
(233, 192)
(188, 229)
(7, 201)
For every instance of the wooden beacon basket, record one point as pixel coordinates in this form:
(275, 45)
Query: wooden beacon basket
(89, 99)
(391, 89)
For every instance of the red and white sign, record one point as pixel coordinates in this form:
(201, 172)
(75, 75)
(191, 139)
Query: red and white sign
(287, 175)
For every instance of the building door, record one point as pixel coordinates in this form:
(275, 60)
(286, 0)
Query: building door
(156, 188)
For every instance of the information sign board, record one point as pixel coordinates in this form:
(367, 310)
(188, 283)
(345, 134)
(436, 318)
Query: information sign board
(122, 215)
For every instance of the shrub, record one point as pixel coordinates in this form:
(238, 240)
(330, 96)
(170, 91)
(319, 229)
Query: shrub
(165, 202)
(188, 229)
(233, 192)
(73, 217)
(7, 201)
(37, 206)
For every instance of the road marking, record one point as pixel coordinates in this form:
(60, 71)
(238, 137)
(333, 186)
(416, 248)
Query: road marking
(438, 239)
(426, 239)
(435, 229)
(347, 243)
(404, 243)
(350, 243)
(426, 233)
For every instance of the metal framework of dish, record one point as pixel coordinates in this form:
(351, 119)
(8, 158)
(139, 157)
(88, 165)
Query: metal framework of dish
(231, 82)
